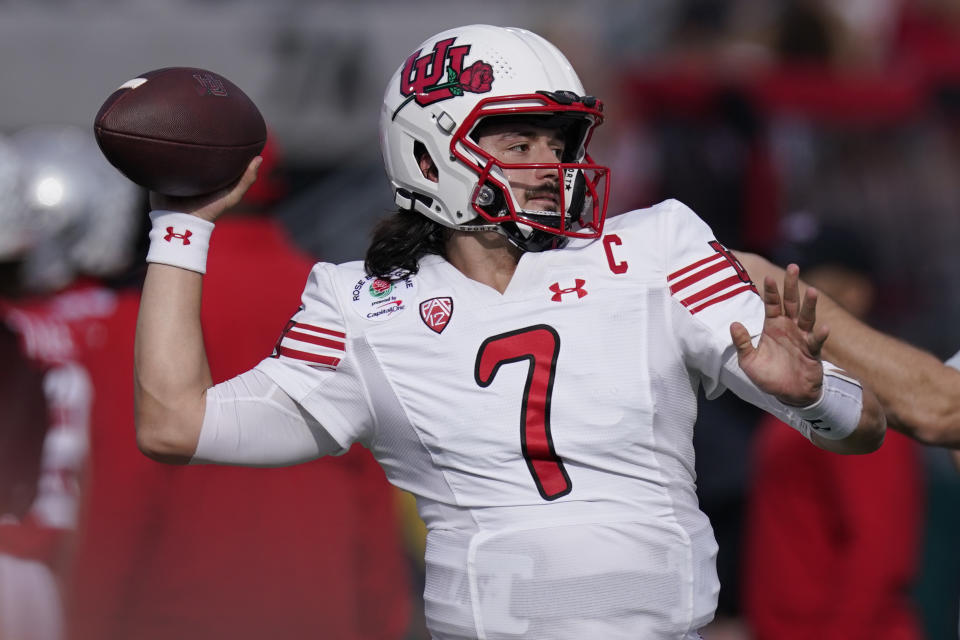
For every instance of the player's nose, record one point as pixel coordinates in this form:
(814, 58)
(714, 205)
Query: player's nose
(546, 154)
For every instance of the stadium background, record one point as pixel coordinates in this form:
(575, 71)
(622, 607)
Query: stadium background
(752, 113)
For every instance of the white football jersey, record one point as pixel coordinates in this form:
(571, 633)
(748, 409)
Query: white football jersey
(954, 361)
(546, 432)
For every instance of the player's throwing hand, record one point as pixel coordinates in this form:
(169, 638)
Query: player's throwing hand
(210, 206)
(786, 361)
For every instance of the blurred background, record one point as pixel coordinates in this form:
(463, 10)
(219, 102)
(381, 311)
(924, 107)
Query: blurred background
(821, 132)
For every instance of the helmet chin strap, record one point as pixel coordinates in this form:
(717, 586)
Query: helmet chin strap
(529, 239)
(522, 236)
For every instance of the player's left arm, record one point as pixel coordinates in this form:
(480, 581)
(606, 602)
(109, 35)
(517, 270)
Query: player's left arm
(919, 393)
(714, 299)
(786, 363)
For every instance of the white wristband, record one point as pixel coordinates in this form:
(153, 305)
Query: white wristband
(180, 240)
(837, 413)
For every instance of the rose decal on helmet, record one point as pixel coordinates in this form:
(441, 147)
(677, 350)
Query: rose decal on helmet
(477, 78)
(423, 77)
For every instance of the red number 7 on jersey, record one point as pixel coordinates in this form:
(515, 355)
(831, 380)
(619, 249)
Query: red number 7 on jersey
(539, 346)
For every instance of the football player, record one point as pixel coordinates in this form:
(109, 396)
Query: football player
(524, 366)
(58, 181)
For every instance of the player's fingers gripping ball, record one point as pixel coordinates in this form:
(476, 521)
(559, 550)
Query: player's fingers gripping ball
(180, 131)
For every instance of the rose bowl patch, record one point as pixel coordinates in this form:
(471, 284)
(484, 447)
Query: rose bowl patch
(378, 299)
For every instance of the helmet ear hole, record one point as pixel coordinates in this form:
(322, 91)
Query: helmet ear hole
(427, 166)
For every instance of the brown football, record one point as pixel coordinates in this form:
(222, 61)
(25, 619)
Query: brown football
(180, 131)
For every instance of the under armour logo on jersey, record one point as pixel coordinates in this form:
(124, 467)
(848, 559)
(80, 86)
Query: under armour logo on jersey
(436, 313)
(183, 237)
(577, 288)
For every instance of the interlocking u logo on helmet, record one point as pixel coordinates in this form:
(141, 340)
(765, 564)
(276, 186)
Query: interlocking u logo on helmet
(440, 75)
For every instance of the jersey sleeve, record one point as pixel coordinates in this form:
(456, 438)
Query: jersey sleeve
(315, 363)
(954, 361)
(709, 290)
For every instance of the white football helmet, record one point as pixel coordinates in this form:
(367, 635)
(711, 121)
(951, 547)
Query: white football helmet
(86, 210)
(436, 99)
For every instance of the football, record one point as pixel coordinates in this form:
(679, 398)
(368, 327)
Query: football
(180, 131)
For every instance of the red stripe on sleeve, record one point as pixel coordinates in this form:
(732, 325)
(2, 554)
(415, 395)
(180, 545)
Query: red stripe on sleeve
(712, 289)
(698, 276)
(324, 342)
(329, 332)
(693, 266)
(729, 294)
(309, 357)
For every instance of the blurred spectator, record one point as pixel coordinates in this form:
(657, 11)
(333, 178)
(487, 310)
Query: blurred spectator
(832, 542)
(205, 552)
(938, 588)
(704, 137)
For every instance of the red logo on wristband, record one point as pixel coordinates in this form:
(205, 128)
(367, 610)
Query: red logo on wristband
(184, 237)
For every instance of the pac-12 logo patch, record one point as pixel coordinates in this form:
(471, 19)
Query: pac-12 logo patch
(380, 299)
(436, 313)
(439, 75)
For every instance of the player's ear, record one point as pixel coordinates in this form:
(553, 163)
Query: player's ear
(427, 166)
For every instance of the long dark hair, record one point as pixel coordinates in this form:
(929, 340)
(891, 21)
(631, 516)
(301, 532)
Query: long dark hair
(399, 241)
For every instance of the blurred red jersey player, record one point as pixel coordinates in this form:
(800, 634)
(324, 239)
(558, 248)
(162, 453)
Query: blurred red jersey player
(832, 542)
(52, 326)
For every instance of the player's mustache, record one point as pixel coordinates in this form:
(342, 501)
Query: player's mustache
(543, 191)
